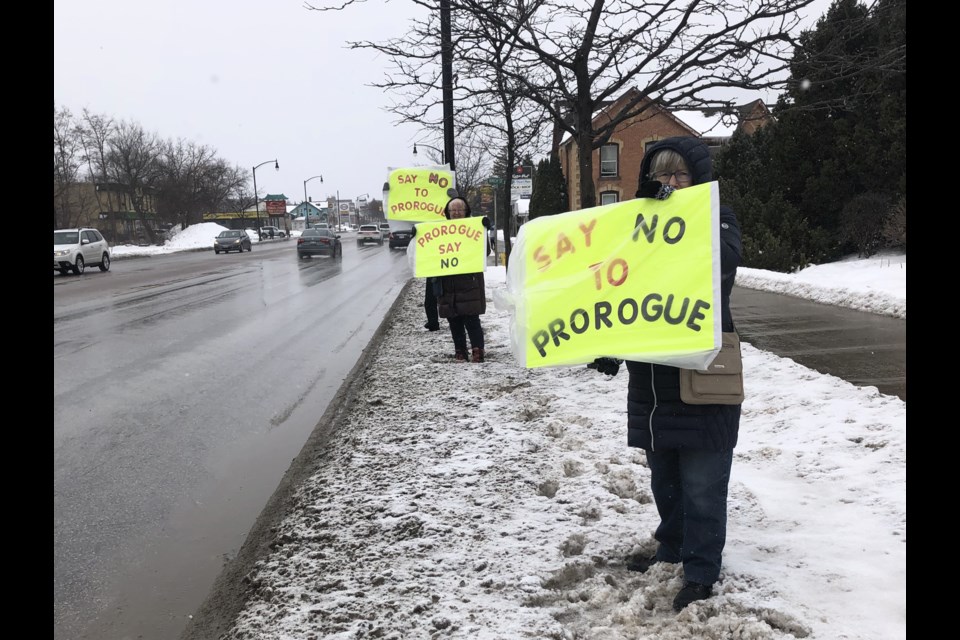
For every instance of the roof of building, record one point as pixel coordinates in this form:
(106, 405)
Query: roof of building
(612, 105)
(704, 122)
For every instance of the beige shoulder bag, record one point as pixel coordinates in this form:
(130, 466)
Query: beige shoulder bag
(722, 382)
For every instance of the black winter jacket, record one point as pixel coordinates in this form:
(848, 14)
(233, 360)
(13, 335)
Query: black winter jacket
(656, 417)
(463, 294)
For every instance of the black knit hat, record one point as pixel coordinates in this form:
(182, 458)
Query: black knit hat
(694, 152)
(446, 207)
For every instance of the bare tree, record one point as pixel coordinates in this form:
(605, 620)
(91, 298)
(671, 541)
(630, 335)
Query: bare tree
(491, 100)
(95, 132)
(187, 171)
(133, 161)
(574, 56)
(220, 182)
(581, 55)
(243, 199)
(67, 161)
(488, 105)
(473, 164)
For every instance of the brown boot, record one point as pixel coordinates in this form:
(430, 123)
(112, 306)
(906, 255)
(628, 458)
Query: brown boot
(461, 356)
(477, 354)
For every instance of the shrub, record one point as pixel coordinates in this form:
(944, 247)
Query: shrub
(861, 222)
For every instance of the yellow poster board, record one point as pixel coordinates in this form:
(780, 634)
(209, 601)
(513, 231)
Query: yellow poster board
(637, 280)
(418, 194)
(448, 247)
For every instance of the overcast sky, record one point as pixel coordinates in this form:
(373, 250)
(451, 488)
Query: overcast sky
(254, 79)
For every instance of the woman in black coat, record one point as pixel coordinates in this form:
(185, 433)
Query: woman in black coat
(689, 447)
(461, 298)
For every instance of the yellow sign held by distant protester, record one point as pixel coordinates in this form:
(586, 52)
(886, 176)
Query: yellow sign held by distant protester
(419, 194)
(448, 247)
(637, 280)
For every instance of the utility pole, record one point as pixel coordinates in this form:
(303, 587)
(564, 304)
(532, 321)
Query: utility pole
(446, 62)
(496, 234)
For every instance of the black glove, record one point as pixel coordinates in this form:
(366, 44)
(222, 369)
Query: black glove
(486, 221)
(649, 189)
(654, 189)
(609, 366)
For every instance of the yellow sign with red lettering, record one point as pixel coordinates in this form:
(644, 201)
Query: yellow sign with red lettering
(419, 194)
(448, 247)
(637, 280)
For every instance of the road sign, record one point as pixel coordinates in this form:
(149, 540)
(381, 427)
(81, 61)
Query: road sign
(495, 182)
(521, 187)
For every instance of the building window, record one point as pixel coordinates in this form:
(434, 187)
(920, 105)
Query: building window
(609, 160)
(609, 197)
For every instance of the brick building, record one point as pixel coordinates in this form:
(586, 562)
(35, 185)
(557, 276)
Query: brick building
(616, 165)
(111, 208)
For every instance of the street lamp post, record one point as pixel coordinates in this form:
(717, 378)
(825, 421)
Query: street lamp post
(306, 216)
(366, 197)
(256, 198)
(440, 151)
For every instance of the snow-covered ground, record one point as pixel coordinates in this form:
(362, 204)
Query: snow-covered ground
(487, 501)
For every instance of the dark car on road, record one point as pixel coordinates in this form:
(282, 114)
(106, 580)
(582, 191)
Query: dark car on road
(400, 237)
(319, 242)
(232, 240)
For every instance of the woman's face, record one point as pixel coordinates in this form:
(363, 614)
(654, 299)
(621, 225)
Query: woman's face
(677, 176)
(457, 209)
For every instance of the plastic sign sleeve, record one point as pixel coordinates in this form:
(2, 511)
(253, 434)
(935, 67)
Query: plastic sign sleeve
(637, 280)
(449, 247)
(419, 194)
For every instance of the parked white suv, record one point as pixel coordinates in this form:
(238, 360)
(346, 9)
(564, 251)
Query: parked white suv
(74, 249)
(272, 232)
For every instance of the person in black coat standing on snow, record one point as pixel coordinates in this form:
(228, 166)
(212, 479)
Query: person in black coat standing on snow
(689, 447)
(461, 298)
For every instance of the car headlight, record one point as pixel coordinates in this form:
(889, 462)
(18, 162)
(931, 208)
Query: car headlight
(60, 253)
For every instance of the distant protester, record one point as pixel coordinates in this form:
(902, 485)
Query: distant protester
(461, 298)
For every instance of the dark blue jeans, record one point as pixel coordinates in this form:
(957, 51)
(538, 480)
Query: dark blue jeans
(690, 489)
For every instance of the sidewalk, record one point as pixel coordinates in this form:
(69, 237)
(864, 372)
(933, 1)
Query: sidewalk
(488, 501)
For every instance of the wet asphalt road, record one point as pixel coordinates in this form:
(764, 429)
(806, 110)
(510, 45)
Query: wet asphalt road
(865, 349)
(183, 387)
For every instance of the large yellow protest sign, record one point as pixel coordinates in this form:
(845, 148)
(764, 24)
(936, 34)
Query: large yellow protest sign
(418, 194)
(638, 280)
(448, 247)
